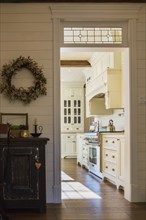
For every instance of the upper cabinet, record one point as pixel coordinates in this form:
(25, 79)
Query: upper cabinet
(112, 88)
(104, 79)
(72, 107)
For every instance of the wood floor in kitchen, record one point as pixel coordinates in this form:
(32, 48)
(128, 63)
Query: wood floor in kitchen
(86, 198)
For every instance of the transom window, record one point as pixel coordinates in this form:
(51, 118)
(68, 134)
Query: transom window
(93, 35)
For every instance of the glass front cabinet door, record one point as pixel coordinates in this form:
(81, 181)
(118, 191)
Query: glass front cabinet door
(72, 110)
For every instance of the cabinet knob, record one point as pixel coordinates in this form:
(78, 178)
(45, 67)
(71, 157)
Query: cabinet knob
(106, 167)
(113, 142)
(106, 141)
(113, 156)
(113, 169)
(106, 155)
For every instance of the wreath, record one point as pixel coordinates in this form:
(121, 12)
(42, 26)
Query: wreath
(24, 95)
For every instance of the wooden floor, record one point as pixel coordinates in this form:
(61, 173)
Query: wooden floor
(110, 205)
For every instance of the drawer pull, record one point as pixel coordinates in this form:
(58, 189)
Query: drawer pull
(106, 141)
(113, 142)
(106, 167)
(113, 156)
(113, 169)
(106, 155)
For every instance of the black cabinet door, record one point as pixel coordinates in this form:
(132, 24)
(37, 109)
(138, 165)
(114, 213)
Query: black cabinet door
(21, 177)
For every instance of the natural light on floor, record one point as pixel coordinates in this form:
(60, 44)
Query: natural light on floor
(75, 190)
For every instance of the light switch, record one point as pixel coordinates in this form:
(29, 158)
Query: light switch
(142, 100)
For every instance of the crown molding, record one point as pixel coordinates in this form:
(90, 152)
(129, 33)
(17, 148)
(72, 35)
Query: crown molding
(95, 11)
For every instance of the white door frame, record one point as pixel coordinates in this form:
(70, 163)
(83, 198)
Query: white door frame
(131, 186)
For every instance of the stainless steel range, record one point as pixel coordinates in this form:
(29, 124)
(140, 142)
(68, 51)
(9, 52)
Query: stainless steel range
(93, 142)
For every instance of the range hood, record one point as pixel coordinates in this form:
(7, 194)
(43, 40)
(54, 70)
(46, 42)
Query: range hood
(97, 106)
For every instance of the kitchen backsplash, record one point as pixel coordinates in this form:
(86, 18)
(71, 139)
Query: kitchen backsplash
(117, 117)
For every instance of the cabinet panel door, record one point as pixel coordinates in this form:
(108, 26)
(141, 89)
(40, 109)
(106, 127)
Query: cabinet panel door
(20, 174)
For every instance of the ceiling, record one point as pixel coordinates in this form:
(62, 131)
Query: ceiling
(72, 1)
(76, 74)
(72, 73)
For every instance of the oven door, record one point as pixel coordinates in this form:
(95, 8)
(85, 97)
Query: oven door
(94, 160)
(93, 154)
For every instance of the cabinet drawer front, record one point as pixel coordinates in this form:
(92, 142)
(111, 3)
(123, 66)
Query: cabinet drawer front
(110, 168)
(85, 149)
(110, 142)
(110, 155)
(70, 137)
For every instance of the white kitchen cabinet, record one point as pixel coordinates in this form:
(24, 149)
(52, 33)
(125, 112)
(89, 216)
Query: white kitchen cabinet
(106, 78)
(113, 149)
(79, 143)
(113, 89)
(121, 174)
(68, 145)
(109, 85)
(85, 156)
(72, 108)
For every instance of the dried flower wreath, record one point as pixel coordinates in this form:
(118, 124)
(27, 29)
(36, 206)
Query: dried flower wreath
(25, 95)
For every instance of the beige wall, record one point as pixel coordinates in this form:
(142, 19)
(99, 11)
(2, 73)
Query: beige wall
(141, 114)
(26, 29)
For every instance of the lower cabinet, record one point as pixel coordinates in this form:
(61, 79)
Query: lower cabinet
(85, 156)
(68, 145)
(80, 141)
(22, 177)
(113, 149)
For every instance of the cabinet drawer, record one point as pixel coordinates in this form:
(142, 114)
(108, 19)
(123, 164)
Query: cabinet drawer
(110, 168)
(110, 142)
(85, 150)
(110, 155)
(69, 137)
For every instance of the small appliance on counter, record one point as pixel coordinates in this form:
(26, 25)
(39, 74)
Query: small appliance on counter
(94, 127)
(110, 126)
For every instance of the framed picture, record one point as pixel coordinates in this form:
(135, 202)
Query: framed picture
(14, 119)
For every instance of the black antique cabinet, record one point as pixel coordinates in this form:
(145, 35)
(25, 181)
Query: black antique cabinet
(22, 173)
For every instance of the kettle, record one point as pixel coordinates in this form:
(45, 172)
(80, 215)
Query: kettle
(110, 126)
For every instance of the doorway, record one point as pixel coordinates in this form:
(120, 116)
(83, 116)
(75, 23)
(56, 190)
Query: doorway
(69, 75)
(129, 115)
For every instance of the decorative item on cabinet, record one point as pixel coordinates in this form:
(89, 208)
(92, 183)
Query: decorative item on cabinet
(18, 123)
(36, 128)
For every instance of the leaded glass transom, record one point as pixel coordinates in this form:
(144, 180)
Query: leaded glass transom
(93, 35)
